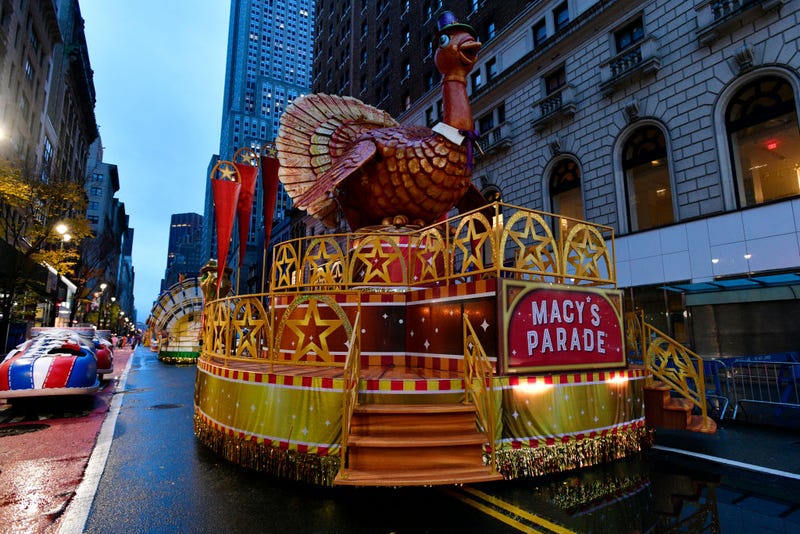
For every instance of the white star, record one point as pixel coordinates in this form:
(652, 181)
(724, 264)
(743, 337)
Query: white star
(515, 414)
(426, 344)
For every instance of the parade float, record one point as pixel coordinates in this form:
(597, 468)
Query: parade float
(443, 340)
(175, 322)
(54, 362)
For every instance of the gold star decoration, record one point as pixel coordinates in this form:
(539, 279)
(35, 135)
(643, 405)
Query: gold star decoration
(225, 170)
(312, 333)
(586, 253)
(246, 156)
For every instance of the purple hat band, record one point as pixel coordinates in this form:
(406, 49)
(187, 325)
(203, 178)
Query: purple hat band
(447, 21)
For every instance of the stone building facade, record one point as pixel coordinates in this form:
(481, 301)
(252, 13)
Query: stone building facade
(676, 124)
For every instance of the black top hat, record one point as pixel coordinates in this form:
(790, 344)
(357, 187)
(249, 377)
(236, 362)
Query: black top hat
(448, 21)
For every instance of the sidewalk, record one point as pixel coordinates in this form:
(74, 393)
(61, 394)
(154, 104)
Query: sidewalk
(45, 445)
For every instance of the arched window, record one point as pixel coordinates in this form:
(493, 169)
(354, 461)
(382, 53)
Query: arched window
(761, 123)
(648, 188)
(566, 197)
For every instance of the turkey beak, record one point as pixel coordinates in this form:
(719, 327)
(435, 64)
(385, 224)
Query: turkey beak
(468, 50)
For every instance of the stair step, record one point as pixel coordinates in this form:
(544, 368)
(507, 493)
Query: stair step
(405, 419)
(415, 408)
(420, 440)
(699, 424)
(415, 477)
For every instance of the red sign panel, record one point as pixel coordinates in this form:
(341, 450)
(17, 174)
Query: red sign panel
(551, 328)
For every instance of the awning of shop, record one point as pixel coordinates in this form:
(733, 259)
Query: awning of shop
(780, 286)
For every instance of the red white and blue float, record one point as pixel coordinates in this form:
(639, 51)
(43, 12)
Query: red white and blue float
(54, 361)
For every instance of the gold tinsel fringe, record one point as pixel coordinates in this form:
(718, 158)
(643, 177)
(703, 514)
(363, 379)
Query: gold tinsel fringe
(292, 465)
(543, 460)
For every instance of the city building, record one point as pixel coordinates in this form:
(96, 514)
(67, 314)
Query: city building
(184, 248)
(103, 259)
(381, 51)
(47, 121)
(269, 65)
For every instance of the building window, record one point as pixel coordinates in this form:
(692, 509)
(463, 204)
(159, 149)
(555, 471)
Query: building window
(96, 191)
(539, 33)
(555, 81)
(476, 80)
(629, 34)
(647, 182)
(566, 197)
(491, 70)
(561, 16)
(490, 30)
(762, 128)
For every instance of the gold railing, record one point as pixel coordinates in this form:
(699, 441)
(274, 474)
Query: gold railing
(308, 275)
(352, 375)
(500, 240)
(479, 386)
(236, 328)
(668, 360)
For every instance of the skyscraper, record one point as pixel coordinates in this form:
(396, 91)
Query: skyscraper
(183, 249)
(269, 65)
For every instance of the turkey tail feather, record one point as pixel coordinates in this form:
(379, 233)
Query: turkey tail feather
(314, 131)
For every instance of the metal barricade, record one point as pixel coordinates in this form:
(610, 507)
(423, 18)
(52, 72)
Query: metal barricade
(765, 382)
(718, 390)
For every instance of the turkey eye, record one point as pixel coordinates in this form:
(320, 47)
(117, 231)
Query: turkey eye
(444, 40)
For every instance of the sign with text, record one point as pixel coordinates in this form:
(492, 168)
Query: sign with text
(556, 327)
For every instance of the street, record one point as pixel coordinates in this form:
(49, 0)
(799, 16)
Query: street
(158, 478)
(146, 472)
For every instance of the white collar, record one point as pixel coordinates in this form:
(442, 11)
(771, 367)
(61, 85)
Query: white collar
(450, 132)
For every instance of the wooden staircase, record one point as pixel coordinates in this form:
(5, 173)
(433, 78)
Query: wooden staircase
(662, 410)
(414, 445)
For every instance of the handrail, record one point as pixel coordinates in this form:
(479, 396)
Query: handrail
(479, 385)
(352, 372)
(669, 361)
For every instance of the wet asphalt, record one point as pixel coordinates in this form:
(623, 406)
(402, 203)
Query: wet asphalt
(158, 478)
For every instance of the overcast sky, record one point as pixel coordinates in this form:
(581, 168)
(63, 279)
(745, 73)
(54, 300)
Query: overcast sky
(159, 70)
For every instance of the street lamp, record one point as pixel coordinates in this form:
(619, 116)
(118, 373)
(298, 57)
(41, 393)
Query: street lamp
(103, 287)
(62, 229)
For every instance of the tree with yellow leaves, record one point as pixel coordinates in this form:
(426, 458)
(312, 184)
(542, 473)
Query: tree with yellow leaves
(30, 211)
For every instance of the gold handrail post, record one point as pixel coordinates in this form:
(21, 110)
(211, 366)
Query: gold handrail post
(352, 376)
(478, 368)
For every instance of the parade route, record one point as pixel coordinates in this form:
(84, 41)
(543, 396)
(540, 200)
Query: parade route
(45, 447)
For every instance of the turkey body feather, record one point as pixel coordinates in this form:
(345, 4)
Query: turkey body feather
(337, 150)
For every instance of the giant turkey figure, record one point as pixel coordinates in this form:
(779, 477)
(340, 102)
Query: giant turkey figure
(336, 149)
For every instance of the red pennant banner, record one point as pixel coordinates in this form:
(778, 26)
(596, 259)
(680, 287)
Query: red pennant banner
(269, 182)
(225, 189)
(248, 174)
